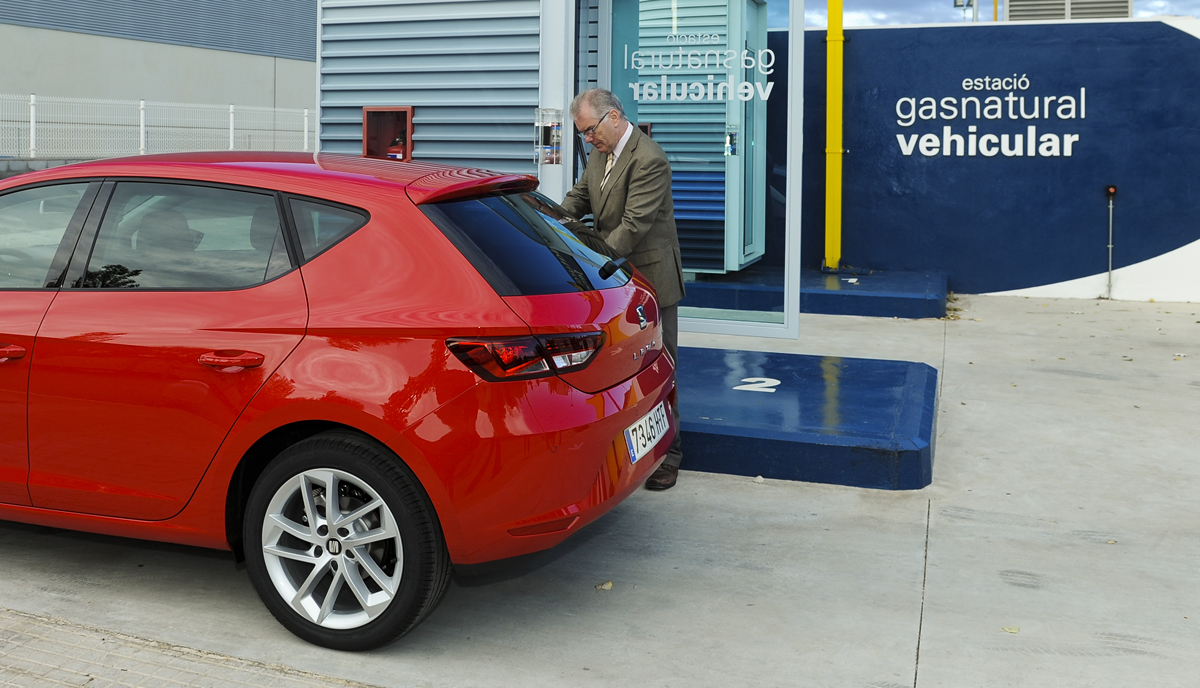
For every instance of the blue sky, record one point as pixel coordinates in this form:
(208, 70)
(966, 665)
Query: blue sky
(874, 12)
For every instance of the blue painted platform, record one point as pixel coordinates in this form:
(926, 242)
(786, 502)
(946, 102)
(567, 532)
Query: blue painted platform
(871, 293)
(843, 421)
(879, 294)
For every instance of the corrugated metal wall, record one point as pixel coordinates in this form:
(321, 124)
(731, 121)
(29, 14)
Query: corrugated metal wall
(277, 28)
(1100, 9)
(587, 17)
(469, 68)
(1024, 10)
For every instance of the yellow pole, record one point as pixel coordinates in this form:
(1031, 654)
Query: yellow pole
(833, 138)
(996, 12)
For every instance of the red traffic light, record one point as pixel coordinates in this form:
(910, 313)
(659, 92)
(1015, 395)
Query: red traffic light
(1110, 190)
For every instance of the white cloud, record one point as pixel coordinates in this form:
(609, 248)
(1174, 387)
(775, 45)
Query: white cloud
(1153, 8)
(815, 18)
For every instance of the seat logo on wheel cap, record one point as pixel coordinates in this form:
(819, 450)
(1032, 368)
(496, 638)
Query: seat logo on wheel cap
(334, 546)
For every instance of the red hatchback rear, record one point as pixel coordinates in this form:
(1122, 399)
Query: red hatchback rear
(351, 372)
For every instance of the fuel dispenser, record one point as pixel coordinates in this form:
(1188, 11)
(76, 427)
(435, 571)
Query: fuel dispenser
(387, 132)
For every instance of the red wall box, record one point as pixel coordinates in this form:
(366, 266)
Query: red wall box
(387, 132)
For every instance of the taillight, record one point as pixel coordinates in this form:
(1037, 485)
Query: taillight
(571, 352)
(523, 358)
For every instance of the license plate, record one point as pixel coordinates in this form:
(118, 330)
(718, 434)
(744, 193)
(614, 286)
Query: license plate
(641, 437)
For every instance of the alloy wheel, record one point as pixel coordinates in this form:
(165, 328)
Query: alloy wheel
(332, 548)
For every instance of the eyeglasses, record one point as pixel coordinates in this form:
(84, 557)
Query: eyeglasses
(591, 131)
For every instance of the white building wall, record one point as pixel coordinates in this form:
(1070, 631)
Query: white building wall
(66, 64)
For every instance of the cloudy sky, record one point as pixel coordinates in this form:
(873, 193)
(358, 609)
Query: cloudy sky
(871, 12)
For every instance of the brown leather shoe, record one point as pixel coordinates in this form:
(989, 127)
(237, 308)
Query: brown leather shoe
(663, 478)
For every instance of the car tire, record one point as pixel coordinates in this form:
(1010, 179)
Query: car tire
(381, 554)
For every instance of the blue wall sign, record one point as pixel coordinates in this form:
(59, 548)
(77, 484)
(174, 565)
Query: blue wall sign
(983, 151)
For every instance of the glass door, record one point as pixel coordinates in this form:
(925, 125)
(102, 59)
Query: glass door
(717, 84)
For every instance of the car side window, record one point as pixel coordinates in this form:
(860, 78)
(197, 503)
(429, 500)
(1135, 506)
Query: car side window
(179, 236)
(321, 225)
(33, 223)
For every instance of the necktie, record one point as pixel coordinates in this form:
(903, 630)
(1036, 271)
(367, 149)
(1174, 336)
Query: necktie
(607, 168)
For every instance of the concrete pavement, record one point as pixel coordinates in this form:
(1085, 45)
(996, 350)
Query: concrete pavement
(1059, 545)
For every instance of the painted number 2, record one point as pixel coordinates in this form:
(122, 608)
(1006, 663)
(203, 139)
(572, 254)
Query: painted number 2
(758, 384)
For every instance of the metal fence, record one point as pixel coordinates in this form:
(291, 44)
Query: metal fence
(34, 127)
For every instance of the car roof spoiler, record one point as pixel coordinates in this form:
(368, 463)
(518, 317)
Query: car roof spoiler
(455, 184)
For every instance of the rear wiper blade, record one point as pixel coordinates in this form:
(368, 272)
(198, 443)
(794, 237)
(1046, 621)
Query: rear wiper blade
(611, 267)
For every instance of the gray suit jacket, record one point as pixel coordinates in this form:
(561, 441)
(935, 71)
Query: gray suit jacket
(634, 214)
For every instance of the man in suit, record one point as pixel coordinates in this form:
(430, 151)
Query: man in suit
(626, 187)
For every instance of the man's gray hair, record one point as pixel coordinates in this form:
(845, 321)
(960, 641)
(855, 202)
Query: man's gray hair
(599, 100)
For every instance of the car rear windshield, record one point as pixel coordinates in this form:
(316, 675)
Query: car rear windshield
(520, 245)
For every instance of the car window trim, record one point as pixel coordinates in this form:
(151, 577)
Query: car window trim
(56, 276)
(291, 239)
(82, 255)
(87, 237)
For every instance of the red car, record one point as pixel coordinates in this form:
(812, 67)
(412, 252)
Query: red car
(356, 374)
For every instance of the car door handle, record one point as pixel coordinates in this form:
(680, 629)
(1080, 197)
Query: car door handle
(225, 361)
(10, 351)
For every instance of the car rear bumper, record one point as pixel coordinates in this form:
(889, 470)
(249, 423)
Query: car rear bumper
(523, 465)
